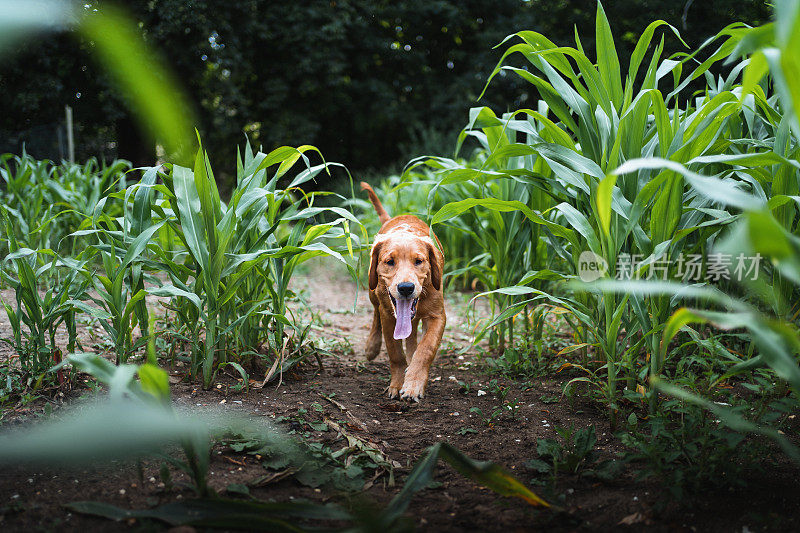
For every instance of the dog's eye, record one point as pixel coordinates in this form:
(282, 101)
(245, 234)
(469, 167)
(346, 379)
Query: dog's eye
(390, 262)
(418, 262)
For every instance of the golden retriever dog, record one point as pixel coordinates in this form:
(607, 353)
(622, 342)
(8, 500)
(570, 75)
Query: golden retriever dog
(405, 286)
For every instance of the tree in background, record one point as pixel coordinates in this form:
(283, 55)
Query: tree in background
(369, 82)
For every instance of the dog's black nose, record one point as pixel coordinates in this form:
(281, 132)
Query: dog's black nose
(405, 288)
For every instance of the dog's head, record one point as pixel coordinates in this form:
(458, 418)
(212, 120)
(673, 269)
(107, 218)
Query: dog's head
(404, 263)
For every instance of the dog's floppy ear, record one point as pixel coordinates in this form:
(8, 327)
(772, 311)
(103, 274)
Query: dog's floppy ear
(436, 267)
(373, 266)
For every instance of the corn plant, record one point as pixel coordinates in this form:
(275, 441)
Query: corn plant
(77, 189)
(237, 260)
(115, 244)
(590, 121)
(759, 168)
(119, 288)
(46, 203)
(36, 317)
(759, 188)
(776, 340)
(50, 201)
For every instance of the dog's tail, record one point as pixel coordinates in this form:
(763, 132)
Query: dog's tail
(382, 214)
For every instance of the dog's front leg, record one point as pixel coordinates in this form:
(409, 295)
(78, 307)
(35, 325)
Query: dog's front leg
(397, 359)
(373, 346)
(417, 373)
(411, 341)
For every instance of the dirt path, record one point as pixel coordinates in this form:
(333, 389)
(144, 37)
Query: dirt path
(31, 500)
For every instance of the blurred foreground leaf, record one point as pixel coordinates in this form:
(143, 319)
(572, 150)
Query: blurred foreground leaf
(117, 429)
(222, 513)
(731, 419)
(139, 72)
(486, 473)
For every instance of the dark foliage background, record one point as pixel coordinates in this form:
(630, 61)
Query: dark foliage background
(369, 82)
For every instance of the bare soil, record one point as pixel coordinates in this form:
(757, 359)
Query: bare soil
(32, 499)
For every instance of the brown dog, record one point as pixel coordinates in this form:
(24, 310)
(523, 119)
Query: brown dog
(405, 286)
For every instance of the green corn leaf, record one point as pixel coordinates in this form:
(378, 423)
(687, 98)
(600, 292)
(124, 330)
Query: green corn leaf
(712, 188)
(786, 68)
(189, 208)
(141, 217)
(768, 237)
(239, 368)
(138, 244)
(581, 224)
(667, 288)
(755, 71)
(96, 312)
(131, 305)
(310, 173)
(116, 429)
(604, 190)
(173, 291)
(682, 317)
(607, 60)
(154, 381)
(667, 209)
(208, 195)
(644, 43)
(548, 93)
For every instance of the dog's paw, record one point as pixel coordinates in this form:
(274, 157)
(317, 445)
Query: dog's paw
(393, 392)
(413, 389)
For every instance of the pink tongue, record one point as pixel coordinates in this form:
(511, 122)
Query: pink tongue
(402, 328)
